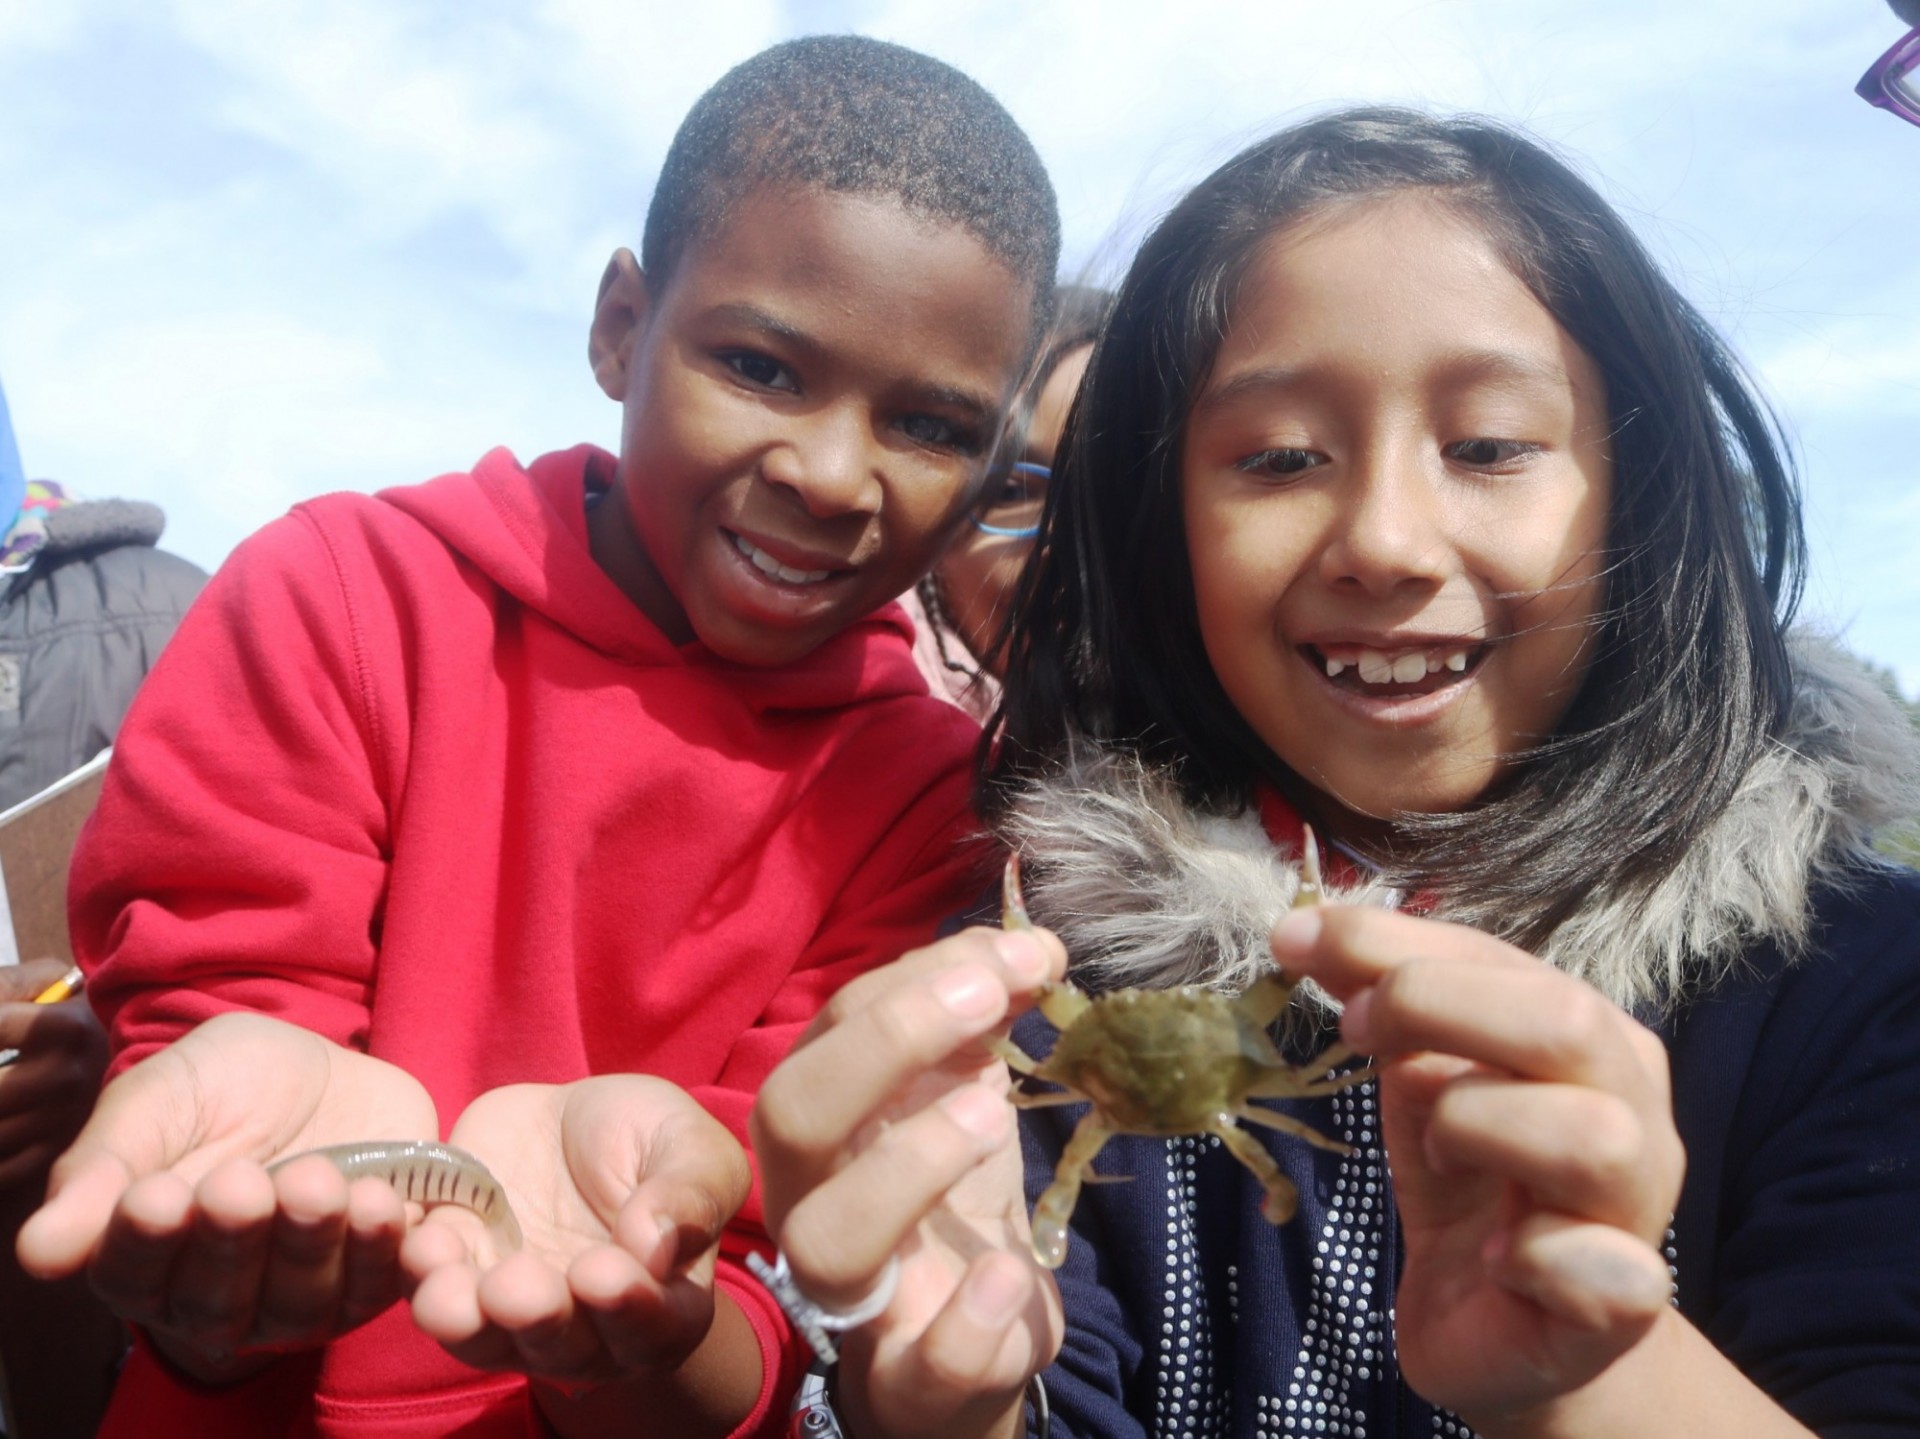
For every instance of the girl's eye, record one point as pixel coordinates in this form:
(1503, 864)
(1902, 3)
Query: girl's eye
(941, 433)
(762, 370)
(1490, 454)
(1281, 462)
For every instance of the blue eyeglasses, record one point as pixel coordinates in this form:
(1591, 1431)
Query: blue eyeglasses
(1894, 81)
(1016, 494)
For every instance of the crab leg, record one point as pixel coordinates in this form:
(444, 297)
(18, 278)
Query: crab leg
(1281, 1197)
(1286, 1083)
(1055, 1208)
(1287, 1124)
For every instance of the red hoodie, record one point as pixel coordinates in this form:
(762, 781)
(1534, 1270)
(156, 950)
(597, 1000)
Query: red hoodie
(417, 775)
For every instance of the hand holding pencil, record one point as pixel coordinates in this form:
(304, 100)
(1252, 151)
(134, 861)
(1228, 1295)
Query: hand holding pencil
(53, 1056)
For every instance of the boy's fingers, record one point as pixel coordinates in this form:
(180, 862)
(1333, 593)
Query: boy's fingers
(144, 1233)
(215, 1284)
(640, 1325)
(838, 1239)
(60, 1237)
(370, 1273)
(301, 1287)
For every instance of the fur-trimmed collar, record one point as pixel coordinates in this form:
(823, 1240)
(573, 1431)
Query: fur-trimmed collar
(1145, 890)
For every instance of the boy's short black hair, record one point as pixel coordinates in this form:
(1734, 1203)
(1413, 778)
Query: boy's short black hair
(859, 116)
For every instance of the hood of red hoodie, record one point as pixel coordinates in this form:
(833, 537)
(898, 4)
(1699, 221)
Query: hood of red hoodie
(525, 528)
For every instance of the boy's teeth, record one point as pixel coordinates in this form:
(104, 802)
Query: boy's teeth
(768, 565)
(1378, 668)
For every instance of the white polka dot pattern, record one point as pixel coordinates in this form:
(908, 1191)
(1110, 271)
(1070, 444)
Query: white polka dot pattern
(1348, 1332)
(1188, 1400)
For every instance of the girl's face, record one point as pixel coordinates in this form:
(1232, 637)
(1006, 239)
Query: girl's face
(1395, 483)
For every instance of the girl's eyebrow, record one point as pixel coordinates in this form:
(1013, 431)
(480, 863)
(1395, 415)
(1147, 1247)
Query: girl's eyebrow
(1508, 368)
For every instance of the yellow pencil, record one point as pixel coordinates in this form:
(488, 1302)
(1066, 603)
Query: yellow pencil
(64, 987)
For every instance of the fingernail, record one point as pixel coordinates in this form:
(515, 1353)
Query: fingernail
(1023, 956)
(668, 1250)
(1622, 1281)
(1356, 1021)
(1297, 933)
(969, 992)
(994, 1295)
(977, 1110)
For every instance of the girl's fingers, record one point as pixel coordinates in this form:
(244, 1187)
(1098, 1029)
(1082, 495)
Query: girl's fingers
(838, 1239)
(811, 1107)
(1416, 984)
(976, 1356)
(1026, 958)
(1606, 1287)
(1576, 1150)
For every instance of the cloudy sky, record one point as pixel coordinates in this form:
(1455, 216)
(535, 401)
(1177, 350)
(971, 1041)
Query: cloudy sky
(254, 250)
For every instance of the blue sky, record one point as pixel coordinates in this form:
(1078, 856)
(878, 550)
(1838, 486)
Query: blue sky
(253, 252)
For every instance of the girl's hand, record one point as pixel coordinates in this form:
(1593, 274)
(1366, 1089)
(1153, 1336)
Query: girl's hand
(164, 1196)
(1529, 1126)
(887, 1135)
(622, 1185)
(46, 1094)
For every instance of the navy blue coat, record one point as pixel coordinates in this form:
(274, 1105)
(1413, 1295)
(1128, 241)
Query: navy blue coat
(1796, 1245)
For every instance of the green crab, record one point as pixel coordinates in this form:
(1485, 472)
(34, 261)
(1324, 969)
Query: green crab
(1162, 1062)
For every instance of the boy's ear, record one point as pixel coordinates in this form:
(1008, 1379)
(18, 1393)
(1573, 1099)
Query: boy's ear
(617, 318)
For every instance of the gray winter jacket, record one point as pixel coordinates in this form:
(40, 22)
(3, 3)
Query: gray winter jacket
(78, 632)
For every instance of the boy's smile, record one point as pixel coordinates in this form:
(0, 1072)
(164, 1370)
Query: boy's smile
(1395, 487)
(808, 402)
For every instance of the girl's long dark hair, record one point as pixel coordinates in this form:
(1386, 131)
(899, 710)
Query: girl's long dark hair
(1689, 674)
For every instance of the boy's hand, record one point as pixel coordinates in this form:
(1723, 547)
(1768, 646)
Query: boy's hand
(165, 1198)
(1530, 1128)
(887, 1135)
(45, 1094)
(622, 1184)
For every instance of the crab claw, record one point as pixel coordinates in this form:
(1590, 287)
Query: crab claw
(1013, 906)
(1310, 891)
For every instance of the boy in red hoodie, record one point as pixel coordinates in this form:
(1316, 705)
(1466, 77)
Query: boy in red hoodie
(448, 799)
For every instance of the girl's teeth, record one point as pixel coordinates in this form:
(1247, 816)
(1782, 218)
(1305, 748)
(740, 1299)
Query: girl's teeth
(1409, 668)
(1377, 668)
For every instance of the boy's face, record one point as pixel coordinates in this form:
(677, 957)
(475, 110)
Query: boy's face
(807, 405)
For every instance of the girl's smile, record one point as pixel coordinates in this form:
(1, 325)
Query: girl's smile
(1395, 486)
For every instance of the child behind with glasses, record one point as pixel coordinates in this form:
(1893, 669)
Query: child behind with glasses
(959, 610)
(1405, 497)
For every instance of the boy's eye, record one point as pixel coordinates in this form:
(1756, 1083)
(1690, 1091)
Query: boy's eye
(1281, 462)
(761, 370)
(941, 433)
(1490, 454)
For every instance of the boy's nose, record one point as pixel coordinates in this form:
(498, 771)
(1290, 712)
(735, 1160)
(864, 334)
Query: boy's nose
(1390, 532)
(831, 466)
